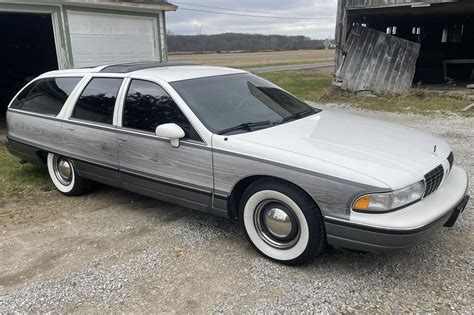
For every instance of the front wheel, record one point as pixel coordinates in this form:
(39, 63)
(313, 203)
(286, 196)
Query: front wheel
(64, 176)
(282, 222)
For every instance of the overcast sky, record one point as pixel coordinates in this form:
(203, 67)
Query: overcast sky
(312, 18)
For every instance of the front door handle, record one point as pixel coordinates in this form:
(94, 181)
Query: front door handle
(69, 129)
(122, 140)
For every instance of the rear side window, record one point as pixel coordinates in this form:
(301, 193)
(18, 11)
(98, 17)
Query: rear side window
(147, 106)
(97, 101)
(46, 96)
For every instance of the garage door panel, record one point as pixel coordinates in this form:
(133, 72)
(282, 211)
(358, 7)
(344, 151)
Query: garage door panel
(106, 38)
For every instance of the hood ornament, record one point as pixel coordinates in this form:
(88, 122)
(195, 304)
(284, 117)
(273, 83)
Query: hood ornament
(434, 150)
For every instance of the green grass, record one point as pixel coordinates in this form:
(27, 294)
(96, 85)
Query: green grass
(17, 180)
(316, 87)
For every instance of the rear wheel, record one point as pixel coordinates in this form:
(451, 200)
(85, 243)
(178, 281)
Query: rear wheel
(282, 222)
(64, 176)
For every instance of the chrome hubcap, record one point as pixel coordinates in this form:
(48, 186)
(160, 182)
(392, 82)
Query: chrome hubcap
(62, 170)
(276, 224)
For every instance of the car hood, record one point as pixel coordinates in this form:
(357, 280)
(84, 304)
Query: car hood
(394, 155)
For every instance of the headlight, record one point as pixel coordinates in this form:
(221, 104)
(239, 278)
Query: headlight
(396, 199)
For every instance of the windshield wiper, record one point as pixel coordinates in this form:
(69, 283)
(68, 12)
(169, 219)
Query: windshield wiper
(301, 114)
(245, 126)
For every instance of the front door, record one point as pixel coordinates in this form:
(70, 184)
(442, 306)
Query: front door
(149, 164)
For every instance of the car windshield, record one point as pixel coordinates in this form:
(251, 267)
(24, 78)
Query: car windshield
(239, 103)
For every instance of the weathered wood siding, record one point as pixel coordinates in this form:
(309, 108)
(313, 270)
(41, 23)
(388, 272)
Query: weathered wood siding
(383, 3)
(377, 62)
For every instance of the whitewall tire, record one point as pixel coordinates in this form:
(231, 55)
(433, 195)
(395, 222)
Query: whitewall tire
(64, 176)
(282, 222)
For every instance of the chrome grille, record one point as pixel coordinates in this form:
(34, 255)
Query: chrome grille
(433, 179)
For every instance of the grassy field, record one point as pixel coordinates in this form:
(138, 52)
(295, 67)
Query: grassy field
(315, 85)
(256, 59)
(17, 180)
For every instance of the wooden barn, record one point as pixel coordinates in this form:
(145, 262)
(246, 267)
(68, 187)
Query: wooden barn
(386, 46)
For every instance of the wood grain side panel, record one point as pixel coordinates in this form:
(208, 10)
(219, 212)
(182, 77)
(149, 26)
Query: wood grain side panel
(97, 145)
(36, 129)
(332, 195)
(187, 166)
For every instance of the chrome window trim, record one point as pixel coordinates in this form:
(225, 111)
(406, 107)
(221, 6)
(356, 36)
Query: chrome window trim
(28, 113)
(151, 135)
(94, 125)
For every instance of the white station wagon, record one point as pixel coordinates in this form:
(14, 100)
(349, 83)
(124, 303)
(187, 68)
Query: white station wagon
(229, 143)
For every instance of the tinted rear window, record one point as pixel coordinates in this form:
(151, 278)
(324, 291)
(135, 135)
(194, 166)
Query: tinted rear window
(46, 96)
(97, 101)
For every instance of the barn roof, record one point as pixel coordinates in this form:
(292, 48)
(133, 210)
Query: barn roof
(129, 5)
(366, 4)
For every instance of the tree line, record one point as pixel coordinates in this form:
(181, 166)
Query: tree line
(240, 42)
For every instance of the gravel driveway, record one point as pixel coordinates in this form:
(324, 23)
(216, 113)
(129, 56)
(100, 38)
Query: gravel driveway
(116, 251)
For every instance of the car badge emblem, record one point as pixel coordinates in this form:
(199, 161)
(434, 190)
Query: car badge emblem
(434, 150)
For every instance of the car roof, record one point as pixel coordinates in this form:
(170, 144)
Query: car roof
(169, 72)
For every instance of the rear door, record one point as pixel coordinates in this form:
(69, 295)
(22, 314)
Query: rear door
(89, 130)
(149, 164)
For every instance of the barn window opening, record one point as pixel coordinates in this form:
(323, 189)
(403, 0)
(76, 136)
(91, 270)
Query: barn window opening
(392, 30)
(452, 34)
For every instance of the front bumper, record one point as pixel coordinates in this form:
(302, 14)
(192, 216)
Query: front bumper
(406, 227)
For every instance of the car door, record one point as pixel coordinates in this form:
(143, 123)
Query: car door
(89, 132)
(149, 164)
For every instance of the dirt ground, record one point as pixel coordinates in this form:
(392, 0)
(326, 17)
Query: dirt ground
(256, 58)
(116, 251)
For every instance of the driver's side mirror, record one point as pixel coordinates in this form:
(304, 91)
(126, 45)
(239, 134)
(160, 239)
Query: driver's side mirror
(172, 131)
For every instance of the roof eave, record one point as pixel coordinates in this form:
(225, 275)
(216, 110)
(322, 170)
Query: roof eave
(135, 6)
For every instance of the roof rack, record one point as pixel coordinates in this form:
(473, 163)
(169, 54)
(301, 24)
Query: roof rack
(135, 66)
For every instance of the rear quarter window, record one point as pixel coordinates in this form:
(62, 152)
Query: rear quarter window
(46, 96)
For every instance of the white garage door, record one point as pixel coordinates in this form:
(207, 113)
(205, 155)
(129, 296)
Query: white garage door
(108, 38)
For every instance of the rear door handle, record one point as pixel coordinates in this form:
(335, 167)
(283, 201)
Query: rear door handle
(122, 140)
(70, 129)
